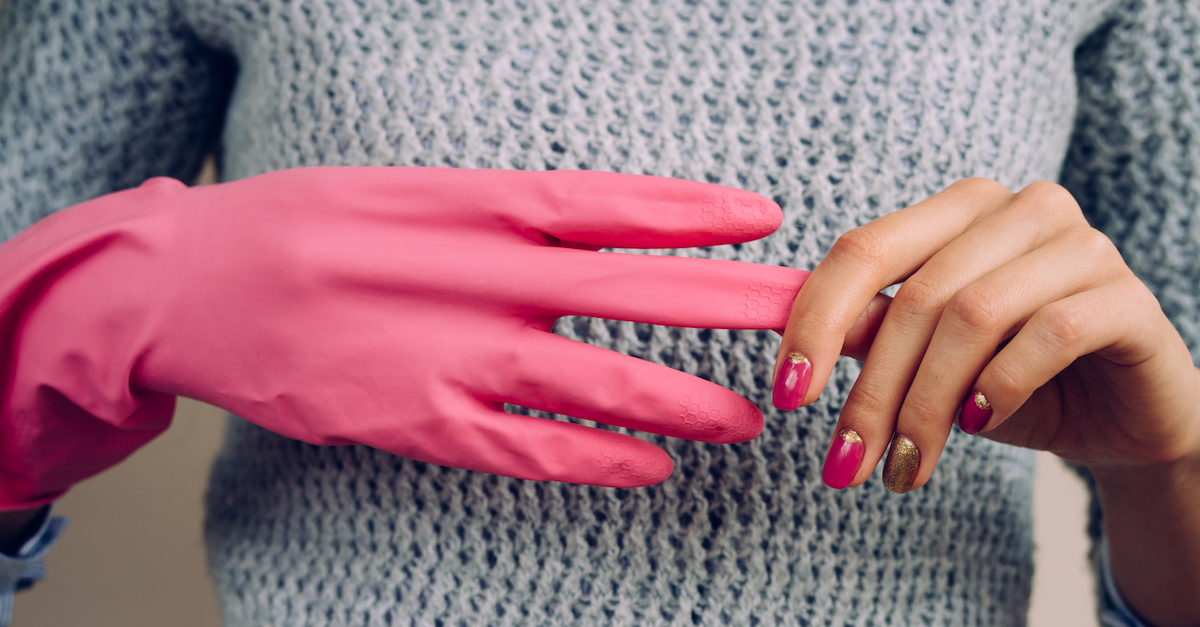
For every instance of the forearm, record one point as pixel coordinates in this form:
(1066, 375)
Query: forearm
(17, 526)
(1152, 523)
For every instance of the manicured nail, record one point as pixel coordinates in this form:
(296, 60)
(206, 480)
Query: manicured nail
(792, 382)
(976, 413)
(901, 466)
(841, 464)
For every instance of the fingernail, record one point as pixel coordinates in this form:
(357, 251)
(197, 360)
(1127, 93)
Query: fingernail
(841, 464)
(901, 466)
(976, 413)
(792, 381)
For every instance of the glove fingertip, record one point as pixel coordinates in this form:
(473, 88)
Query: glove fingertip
(742, 422)
(639, 465)
(740, 216)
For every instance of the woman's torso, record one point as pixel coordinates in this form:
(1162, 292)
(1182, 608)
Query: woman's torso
(841, 112)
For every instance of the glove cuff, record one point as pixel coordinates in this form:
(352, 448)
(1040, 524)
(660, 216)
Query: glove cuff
(80, 296)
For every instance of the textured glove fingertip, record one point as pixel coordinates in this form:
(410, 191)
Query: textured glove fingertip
(633, 467)
(740, 217)
(720, 420)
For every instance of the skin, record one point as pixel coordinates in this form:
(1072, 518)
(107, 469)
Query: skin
(1016, 296)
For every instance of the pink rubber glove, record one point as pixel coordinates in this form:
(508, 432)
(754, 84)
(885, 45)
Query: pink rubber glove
(394, 307)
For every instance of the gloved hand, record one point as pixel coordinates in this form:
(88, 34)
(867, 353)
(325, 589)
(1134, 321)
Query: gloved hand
(394, 307)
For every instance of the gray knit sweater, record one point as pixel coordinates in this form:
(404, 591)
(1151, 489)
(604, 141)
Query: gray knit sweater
(840, 111)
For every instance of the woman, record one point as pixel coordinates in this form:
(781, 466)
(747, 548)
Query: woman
(840, 114)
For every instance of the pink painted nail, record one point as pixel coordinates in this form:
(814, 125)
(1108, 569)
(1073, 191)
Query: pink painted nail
(841, 464)
(792, 381)
(976, 413)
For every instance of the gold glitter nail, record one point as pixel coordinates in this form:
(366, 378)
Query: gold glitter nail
(850, 435)
(901, 466)
(796, 358)
(981, 401)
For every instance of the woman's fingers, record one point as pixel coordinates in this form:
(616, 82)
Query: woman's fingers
(976, 319)
(861, 263)
(904, 338)
(555, 374)
(937, 263)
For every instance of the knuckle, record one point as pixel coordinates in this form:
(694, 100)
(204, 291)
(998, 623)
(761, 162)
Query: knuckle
(1141, 297)
(863, 246)
(867, 401)
(977, 308)
(919, 411)
(1045, 195)
(1063, 325)
(920, 296)
(813, 324)
(978, 186)
(1096, 245)
(1004, 380)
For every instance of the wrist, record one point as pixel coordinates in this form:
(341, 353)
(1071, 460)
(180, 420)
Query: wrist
(1140, 478)
(1179, 468)
(1151, 522)
(85, 284)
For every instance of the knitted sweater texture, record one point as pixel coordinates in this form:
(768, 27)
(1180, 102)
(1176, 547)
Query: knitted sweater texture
(840, 111)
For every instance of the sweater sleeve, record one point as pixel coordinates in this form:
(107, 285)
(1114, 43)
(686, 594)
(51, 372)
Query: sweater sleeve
(97, 96)
(1134, 167)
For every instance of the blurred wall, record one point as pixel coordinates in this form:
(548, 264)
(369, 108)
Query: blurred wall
(1063, 594)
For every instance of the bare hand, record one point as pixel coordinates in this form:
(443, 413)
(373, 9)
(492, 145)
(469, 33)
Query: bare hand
(1092, 371)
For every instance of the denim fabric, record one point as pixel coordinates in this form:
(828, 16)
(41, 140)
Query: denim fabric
(1113, 610)
(27, 566)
